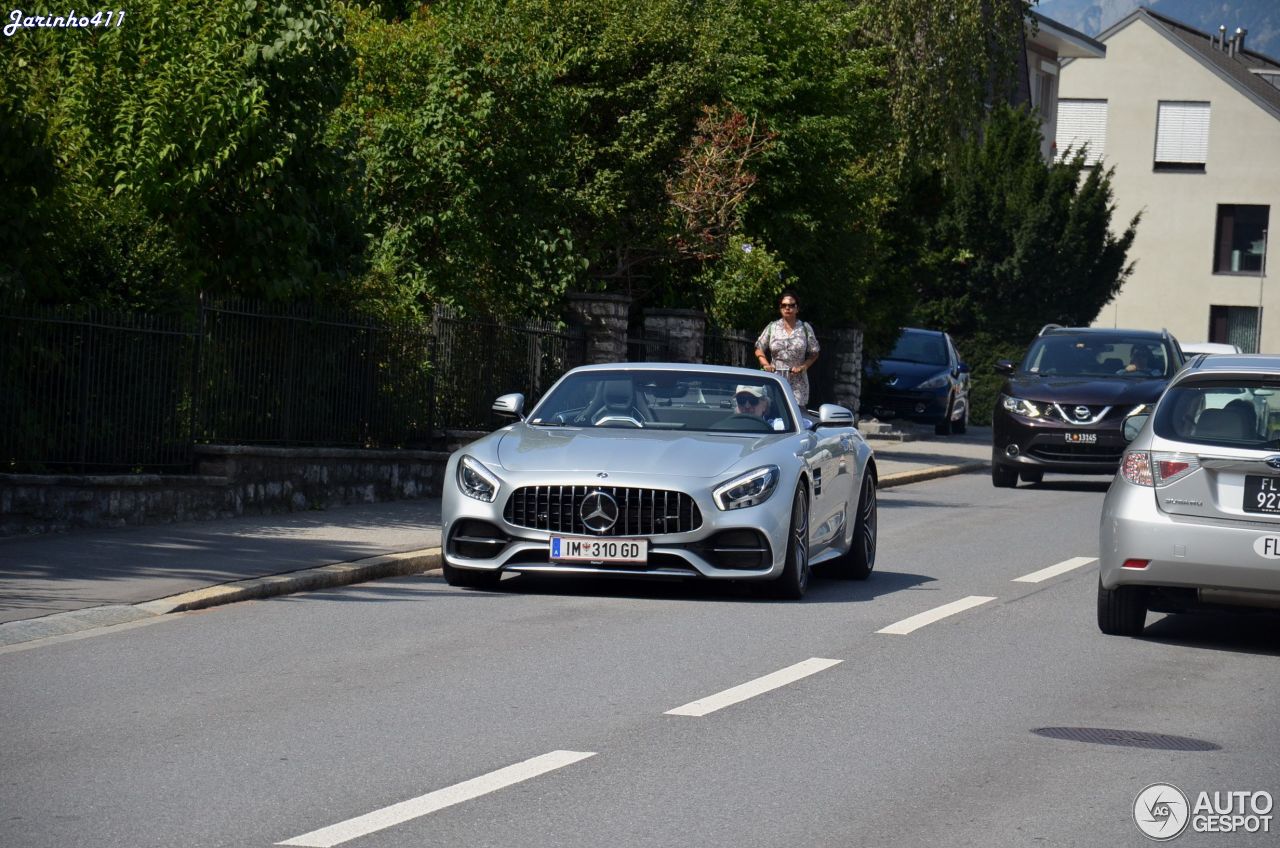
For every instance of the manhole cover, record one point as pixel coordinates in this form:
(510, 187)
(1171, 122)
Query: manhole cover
(1127, 738)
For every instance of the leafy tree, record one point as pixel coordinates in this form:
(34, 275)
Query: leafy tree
(1019, 243)
(182, 150)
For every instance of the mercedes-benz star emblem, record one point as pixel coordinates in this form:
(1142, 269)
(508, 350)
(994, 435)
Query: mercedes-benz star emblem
(598, 511)
(1082, 412)
(1273, 461)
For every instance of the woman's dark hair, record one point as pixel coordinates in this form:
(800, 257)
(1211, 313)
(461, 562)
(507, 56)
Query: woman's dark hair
(788, 293)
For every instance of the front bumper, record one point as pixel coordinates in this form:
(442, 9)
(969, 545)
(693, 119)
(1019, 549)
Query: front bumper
(928, 407)
(1211, 556)
(741, 544)
(1043, 444)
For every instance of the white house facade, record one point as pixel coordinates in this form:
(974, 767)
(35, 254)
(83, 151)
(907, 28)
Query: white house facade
(1190, 121)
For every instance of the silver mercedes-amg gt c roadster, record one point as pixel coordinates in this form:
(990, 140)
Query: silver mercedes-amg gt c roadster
(665, 471)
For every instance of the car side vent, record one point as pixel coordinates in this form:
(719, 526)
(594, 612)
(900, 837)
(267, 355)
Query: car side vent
(622, 511)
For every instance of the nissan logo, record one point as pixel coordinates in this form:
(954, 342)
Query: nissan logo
(1082, 412)
(1273, 461)
(598, 511)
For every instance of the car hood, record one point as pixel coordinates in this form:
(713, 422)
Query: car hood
(909, 374)
(1106, 391)
(525, 448)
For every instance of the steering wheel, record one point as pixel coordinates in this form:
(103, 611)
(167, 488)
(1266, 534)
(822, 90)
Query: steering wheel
(614, 420)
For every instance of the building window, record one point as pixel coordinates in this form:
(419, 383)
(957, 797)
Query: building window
(1082, 124)
(1240, 238)
(1182, 136)
(1237, 325)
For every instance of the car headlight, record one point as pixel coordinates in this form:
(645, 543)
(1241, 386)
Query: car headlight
(476, 481)
(1018, 406)
(935, 382)
(749, 489)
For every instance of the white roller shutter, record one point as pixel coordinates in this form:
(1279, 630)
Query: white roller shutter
(1182, 132)
(1082, 122)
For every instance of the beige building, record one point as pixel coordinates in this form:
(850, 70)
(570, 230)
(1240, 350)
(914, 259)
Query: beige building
(1191, 123)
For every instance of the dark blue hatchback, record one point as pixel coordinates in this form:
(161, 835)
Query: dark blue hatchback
(921, 379)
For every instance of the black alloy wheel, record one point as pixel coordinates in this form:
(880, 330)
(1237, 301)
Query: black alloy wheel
(794, 580)
(860, 560)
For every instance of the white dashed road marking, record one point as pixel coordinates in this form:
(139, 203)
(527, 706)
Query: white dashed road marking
(759, 686)
(915, 622)
(438, 800)
(1054, 570)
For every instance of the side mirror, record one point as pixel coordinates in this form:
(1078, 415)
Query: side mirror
(1003, 366)
(510, 406)
(964, 368)
(831, 415)
(1133, 425)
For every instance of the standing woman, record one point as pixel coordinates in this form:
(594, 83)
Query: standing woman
(789, 343)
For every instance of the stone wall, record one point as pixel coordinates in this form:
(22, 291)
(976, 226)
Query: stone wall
(603, 319)
(230, 481)
(684, 329)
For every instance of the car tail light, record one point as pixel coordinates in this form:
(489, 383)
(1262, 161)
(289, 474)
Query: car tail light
(1136, 468)
(1136, 563)
(1169, 467)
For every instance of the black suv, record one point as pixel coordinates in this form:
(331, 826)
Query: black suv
(1063, 408)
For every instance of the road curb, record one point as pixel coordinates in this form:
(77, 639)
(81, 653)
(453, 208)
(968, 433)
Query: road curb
(918, 475)
(308, 579)
(16, 634)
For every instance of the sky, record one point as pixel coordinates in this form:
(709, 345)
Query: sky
(1261, 18)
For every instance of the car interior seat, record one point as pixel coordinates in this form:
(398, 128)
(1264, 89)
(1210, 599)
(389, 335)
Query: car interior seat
(1244, 412)
(1113, 364)
(1219, 424)
(618, 397)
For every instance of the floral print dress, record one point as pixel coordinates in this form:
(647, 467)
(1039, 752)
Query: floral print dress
(790, 348)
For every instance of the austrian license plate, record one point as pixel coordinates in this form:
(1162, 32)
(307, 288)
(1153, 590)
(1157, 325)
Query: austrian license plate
(576, 549)
(1081, 438)
(1262, 494)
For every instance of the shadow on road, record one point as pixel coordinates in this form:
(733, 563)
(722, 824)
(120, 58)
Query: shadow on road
(1244, 632)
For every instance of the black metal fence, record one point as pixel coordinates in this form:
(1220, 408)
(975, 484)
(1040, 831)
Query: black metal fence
(94, 390)
(86, 391)
(721, 346)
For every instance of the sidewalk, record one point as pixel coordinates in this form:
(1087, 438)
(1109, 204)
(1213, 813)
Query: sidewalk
(64, 583)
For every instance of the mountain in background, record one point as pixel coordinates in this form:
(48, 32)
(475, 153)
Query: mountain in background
(1260, 17)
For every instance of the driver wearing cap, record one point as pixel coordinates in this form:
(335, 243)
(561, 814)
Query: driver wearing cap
(751, 400)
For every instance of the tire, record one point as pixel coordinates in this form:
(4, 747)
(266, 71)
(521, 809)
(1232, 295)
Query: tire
(1003, 476)
(470, 578)
(1035, 476)
(1122, 611)
(860, 560)
(943, 427)
(794, 580)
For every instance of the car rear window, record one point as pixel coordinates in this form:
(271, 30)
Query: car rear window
(1242, 413)
(1092, 356)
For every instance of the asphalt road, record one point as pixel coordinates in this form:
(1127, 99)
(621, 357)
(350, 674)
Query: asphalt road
(408, 713)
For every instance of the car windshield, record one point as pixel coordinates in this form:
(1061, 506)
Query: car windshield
(666, 400)
(1242, 413)
(1065, 355)
(915, 346)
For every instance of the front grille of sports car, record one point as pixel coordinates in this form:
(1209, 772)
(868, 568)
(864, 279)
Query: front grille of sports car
(641, 512)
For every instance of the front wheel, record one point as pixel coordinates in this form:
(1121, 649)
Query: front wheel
(944, 427)
(858, 563)
(962, 426)
(794, 580)
(1003, 477)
